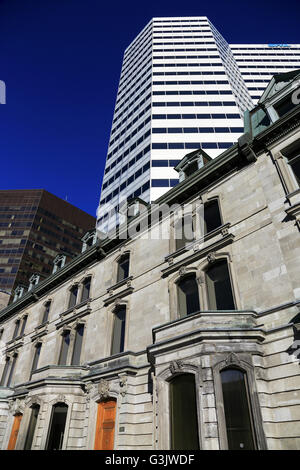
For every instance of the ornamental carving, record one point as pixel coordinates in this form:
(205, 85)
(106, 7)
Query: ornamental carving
(170, 261)
(175, 366)
(103, 388)
(211, 257)
(225, 231)
(182, 271)
(232, 358)
(123, 384)
(16, 406)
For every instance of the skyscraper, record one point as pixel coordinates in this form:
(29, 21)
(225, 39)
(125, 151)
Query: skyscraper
(182, 87)
(36, 226)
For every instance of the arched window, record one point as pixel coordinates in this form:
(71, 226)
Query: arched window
(31, 427)
(188, 296)
(119, 324)
(183, 412)
(57, 426)
(219, 290)
(212, 216)
(123, 267)
(237, 409)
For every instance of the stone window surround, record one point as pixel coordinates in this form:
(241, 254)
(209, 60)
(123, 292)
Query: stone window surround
(41, 315)
(163, 418)
(25, 409)
(20, 317)
(122, 252)
(71, 327)
(47, 421)
(199, 270)
(35, 343)
(79, 284)
(175, 218)
(9, 356)
(242, 362)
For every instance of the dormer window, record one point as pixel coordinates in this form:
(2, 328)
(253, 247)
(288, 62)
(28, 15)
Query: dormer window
(58, 263)
(18, 293)
(89, 240)
(191, 163)
(33, 281)
(284, 106)
(191, 168)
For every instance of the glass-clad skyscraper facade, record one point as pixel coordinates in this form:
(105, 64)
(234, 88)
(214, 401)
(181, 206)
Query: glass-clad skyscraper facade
(182, 87)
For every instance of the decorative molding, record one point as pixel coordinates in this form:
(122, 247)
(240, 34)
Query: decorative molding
(211, 257)
(175, 366)
(103, 388)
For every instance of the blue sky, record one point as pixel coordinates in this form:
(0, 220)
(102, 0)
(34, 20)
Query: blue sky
(61, 61)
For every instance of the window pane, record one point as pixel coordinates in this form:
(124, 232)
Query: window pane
(64, 349)
(73, 296)
(24, 321)
(46, 312)
(86, 289)
(57, 427)
(183, 409)
(12, 369)
(77, 345)
(5, 372)
(184, 232)
(212, 218)
(36, 357)
(237, 412)
(119, 331)
(16, 329)
(123, 268)
(220, 295)
(188, 296)
(31, 428)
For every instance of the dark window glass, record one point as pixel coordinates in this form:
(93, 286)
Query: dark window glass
(17, 326)
(57, 426)
(46, 312)
(118, 338)
(212, 217)
(183, 411)
(293, 157)
(36, 357)
(123, 268)
(191, 168)
(24, 321)
(5, 372)
(238, 417)
(77, 345)
(32, 425)
(73, 296)
(188, 296)
(86, 287)
(64, 348)
(12, 369)
(284, 106)
(219, 289)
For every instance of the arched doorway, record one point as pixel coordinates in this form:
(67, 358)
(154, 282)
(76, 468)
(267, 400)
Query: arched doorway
(57, 426)
(105, 426)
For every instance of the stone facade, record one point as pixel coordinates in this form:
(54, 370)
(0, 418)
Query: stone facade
(259, 239)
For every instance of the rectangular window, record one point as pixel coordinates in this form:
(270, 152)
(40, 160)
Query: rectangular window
(17, 326)
(86, 287)
(64, 348)
(46, 312)
(73, 296)
(77, 345)
(12, 369)
(118, 339)
(36, 357)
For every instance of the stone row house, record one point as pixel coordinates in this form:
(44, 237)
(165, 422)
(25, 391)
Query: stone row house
(169, 342)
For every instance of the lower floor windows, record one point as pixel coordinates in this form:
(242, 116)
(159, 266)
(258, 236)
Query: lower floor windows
(188, 296)
(183, 413)
(57, 426)
(219, 291)
(237, 409)
(32, 426)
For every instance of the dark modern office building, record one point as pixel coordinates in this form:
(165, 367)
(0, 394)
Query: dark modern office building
(36, 226)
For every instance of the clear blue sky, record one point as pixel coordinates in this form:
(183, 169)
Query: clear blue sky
(61, 61)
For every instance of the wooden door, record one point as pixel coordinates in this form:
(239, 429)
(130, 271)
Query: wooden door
(14, 432)
(105, 427)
